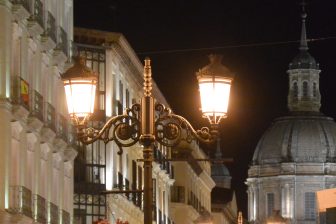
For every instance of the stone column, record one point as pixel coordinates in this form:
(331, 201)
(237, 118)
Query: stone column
(5, 46)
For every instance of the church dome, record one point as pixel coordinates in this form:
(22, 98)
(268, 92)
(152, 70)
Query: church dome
(298, 138)
(219, 170)
(303, 61)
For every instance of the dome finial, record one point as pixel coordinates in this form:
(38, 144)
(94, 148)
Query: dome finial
(303, 40)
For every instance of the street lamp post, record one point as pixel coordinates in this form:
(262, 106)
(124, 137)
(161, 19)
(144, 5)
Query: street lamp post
(148, 121)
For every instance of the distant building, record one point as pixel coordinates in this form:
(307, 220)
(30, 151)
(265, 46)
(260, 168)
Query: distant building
(223, 199)
(99, 166)
(36, 162)
(191, 192)
(296, 156)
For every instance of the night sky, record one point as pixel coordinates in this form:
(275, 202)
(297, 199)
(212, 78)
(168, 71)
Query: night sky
(257, 40)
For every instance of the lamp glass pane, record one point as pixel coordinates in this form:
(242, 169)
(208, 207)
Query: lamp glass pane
(80, 96)
(215, 94)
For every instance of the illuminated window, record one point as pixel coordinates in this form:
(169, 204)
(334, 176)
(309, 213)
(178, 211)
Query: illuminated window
(310, 206)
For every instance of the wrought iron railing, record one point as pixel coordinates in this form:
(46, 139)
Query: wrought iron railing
(62, 128)
(21, 200)
(194, 202)
(65, 217)
(51, 27)
(37, 105)
(38, 12)
(20, 92)
(177, 194)
(24, 3)
(53, 213)
(50, 118)
(64, 41)
(41, 207)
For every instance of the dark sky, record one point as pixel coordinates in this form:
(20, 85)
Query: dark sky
(177, 35)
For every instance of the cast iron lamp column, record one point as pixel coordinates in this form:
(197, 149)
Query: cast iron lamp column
(147, 122)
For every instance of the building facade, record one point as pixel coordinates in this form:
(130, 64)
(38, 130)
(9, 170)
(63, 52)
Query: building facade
(191, 192)
(223, 199)
(296, 156)
(104, 167)
(35, 145)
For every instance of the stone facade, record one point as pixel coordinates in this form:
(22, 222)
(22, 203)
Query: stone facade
(35, 147)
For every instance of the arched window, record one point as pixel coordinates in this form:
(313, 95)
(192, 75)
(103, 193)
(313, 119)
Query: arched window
(270, 203)
(295, 90)
(305, 89)
(314, 89)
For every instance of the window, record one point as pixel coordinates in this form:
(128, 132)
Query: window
(295, 90)
(314, 89)
(305, 89)
(310, 206)
(270, 203)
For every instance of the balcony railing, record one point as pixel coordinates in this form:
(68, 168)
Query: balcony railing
(64, 41)
(24, 3)
(177, 194)
(62, 128)
(65, 217)
(165, 165)
(41, 207)
(20, 92)
(38, 12)
(194, 202)
(21, 200)
(37, 105)
(54, 213)
(51, 27)
(50, 118)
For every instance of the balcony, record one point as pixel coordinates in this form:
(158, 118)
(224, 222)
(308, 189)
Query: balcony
(65, 217)
(177, 194)
(20, 200)
(164, 165)
(50, 118)
(20, 97)
(36, 22)
(35, 119)
(41, 209)
(53, 213)
(20, 9)
(49, 38)
(194, 202)
(61, 52)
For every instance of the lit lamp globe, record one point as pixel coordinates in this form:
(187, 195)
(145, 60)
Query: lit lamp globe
(80, 88)
(214, 82)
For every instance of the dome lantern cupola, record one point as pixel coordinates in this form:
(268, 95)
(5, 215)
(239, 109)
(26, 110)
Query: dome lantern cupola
(304, 94)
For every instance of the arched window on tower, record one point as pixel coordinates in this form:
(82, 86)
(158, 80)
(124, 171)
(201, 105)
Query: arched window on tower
(314, 89)
(305, 89)
(295, 90)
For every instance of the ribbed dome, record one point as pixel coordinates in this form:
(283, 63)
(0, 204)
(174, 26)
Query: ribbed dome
(303, 61)
(298, 138)
(219, 170)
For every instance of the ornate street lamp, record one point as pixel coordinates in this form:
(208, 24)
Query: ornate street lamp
(214, 84)
(147, 122)
(80, 90)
